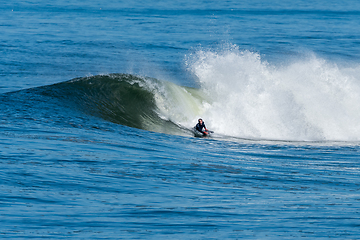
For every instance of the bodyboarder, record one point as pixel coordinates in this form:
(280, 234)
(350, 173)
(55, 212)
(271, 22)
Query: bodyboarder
(200, 126)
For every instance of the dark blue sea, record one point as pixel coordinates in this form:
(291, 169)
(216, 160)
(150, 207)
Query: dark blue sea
(98, 100)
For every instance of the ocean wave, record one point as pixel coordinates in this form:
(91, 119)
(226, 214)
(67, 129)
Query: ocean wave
(240, 95)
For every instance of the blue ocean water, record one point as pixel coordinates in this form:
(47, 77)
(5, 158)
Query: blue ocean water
(98, 100)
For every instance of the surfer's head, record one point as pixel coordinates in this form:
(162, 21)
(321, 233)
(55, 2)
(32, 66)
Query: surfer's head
(200, 120)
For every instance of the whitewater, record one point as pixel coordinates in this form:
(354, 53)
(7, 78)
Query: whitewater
(306, 99)
(98, 101)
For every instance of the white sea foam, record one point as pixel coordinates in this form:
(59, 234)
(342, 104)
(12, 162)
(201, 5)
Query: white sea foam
(308, 99)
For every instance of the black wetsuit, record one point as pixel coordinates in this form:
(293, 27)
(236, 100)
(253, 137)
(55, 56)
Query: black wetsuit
(200, 127)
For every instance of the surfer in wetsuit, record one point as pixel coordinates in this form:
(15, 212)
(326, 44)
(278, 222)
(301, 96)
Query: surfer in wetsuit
(200, 126)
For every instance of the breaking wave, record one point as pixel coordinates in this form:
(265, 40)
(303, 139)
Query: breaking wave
(240, 95)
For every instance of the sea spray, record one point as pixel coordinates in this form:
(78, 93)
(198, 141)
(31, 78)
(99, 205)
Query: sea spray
(307, 99)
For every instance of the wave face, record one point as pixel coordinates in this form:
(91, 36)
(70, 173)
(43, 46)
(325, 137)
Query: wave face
(130, 100)
(308, 99)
